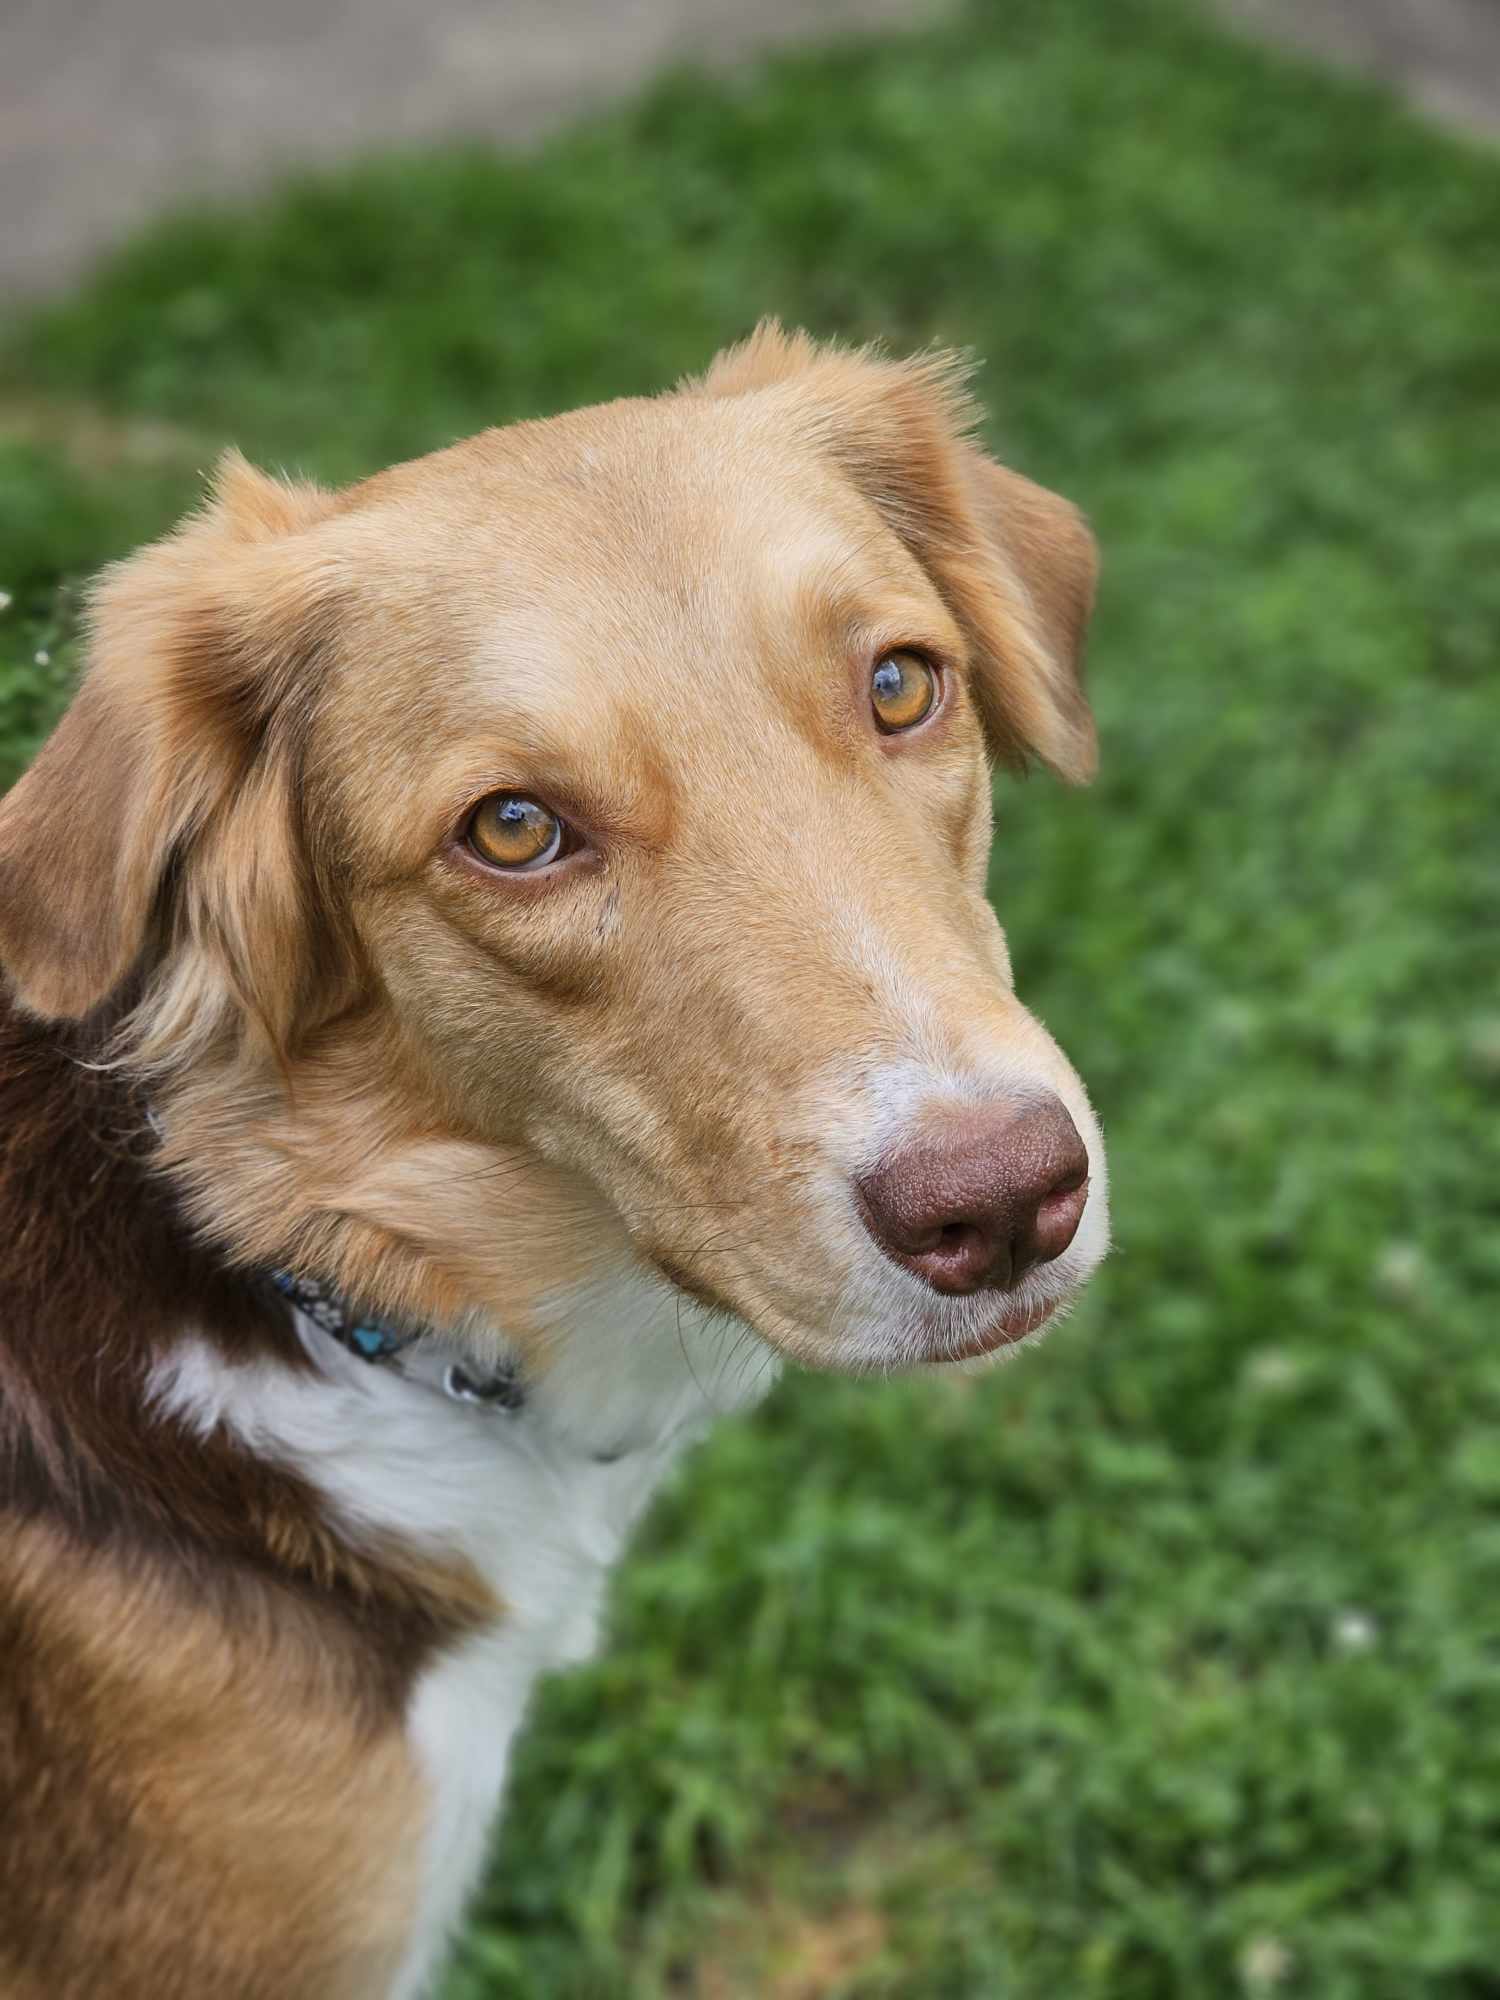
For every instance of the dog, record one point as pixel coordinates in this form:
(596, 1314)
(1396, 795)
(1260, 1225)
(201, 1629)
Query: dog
(496, 960)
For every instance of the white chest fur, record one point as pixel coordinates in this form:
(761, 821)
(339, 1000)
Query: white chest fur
(525, 1497)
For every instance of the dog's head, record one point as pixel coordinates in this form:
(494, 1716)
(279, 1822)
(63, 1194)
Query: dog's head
(579, 837)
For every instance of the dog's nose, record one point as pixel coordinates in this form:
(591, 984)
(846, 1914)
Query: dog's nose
(979, 1201)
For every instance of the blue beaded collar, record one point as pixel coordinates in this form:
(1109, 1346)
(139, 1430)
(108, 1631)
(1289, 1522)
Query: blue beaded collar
(383, 1343)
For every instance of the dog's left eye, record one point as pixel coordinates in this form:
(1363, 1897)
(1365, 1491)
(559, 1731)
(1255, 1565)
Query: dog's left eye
(510, 831)
(903, 691)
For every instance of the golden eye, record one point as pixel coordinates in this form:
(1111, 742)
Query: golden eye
(903, 691)
(509, 831)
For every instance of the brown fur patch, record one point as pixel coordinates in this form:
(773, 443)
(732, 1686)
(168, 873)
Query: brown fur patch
(201, 1680)
(193, 1805)
(100, 1280)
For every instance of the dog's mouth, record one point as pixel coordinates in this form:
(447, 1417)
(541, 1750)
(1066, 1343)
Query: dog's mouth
(840, 1291)
(1014, 1323)
(923, 1339)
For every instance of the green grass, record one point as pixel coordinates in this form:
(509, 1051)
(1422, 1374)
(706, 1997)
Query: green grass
(1167, 1661)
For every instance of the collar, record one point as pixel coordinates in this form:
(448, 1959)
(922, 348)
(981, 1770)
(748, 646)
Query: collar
(390, 1344)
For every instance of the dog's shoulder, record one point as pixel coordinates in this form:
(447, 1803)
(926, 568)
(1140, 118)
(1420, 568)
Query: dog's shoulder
(205, 1678)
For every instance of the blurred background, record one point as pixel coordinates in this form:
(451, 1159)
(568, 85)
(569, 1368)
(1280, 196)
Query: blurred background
(1166, 1660)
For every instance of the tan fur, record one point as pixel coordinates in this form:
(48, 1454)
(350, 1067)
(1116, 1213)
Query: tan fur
(1016, 564)
(456, 1094)
(311, 687)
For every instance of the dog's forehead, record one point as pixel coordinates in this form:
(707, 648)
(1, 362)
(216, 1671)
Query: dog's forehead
(629, 476)
(623, 554)
(636, 513)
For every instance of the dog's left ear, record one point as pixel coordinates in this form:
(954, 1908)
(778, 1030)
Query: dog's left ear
(1015, 564)
(1031, 672)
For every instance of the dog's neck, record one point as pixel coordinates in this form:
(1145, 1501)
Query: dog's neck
(629, 1364)
(259, 1496)
(493, 1253)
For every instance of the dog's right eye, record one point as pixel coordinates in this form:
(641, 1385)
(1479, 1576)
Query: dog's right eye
(508, 830)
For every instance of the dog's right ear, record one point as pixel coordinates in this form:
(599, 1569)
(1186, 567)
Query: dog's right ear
(78, 866)
(192, 645)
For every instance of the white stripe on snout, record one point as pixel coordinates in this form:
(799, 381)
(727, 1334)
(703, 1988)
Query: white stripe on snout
(928, 1062)
(907, 1099)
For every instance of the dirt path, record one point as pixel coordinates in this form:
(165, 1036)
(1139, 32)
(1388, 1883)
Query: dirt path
(113, 109)
(1442, 54)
